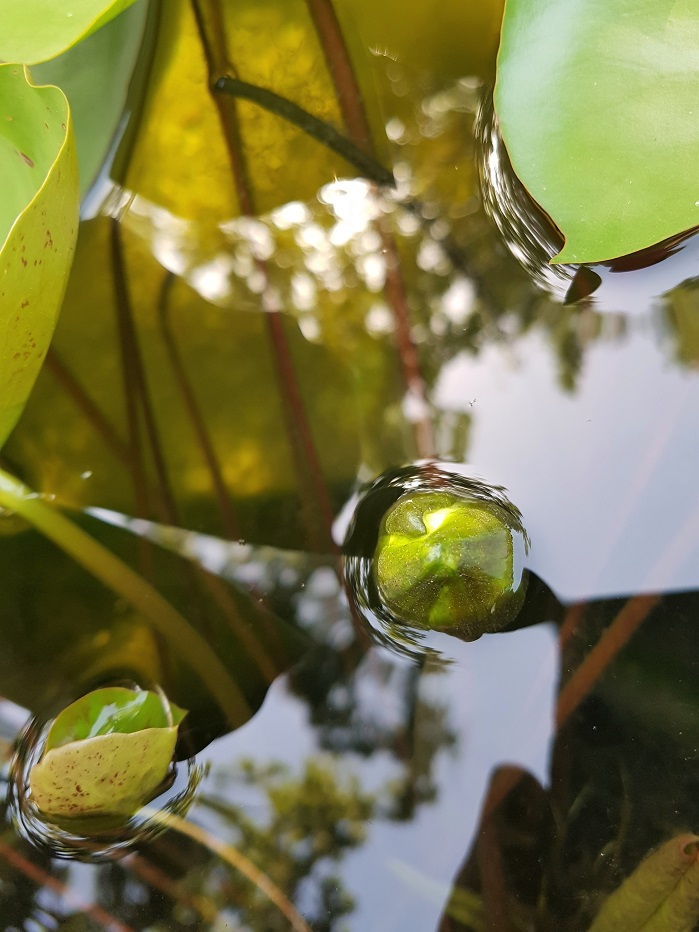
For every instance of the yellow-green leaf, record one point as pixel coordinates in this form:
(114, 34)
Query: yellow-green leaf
(38, 228)
(106, 775)
(36, 30)
(96, 76)
(106, 753)
(661, 895)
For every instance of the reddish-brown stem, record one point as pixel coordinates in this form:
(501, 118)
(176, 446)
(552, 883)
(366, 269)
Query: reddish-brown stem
(212, 33)
(612, 641)
(87, 406)
(217, 590)
(138, 386)
(407, 351)
(306, 462)
(354, 116)
(303, 447)
(138, 390)
(177, 892)
(228, 517)
(44, 879)
(340, 67)
(136, 461)
(571, 622)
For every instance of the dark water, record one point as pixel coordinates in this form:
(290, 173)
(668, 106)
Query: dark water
(239, 356)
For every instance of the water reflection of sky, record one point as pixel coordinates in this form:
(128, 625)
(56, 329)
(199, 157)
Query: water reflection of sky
(555, 452)
(602, 475)
(500, 693)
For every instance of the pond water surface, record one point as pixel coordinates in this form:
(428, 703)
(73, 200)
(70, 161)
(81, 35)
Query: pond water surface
(254, 332)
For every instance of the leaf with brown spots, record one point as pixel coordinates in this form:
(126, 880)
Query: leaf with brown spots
(106, 753)
(38, 228)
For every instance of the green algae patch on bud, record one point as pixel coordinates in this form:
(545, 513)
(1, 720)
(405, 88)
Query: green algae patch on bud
(450, 563)
(106, 754)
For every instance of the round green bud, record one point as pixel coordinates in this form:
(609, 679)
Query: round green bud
(449, 562)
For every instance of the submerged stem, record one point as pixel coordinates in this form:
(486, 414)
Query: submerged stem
(238, 861)
(310, 124)
(121, 579)
(47, 881)
(634, 611)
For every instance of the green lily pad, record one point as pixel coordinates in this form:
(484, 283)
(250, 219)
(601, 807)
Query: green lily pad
(36, 30)
(597, 104)
(38, 228)
(95, 75)
(106, 754)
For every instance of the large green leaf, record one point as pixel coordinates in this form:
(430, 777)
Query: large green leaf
(36, 30)
(38, 227)
(95, 75)
(597, 103)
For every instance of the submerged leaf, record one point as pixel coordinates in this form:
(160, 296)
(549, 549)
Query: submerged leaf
(597, 106)
(38, 227)
(36, 30)
(106, 753)
(661, 895)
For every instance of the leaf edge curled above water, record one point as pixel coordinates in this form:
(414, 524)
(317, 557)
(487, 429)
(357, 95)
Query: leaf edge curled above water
(597, 109)
(35, 31)
(97, 75)
(37, 252)
(112, 710)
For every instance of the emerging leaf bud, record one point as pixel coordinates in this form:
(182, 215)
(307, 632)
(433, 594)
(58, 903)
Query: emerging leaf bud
(451, 563)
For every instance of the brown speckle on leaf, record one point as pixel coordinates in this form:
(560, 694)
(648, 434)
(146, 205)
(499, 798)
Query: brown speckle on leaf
(27, 160)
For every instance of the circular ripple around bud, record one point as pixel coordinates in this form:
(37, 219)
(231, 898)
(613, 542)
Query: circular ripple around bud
(91, 837)
(431, 549)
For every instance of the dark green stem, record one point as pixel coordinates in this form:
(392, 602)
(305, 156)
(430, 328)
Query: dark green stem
(318, 129)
